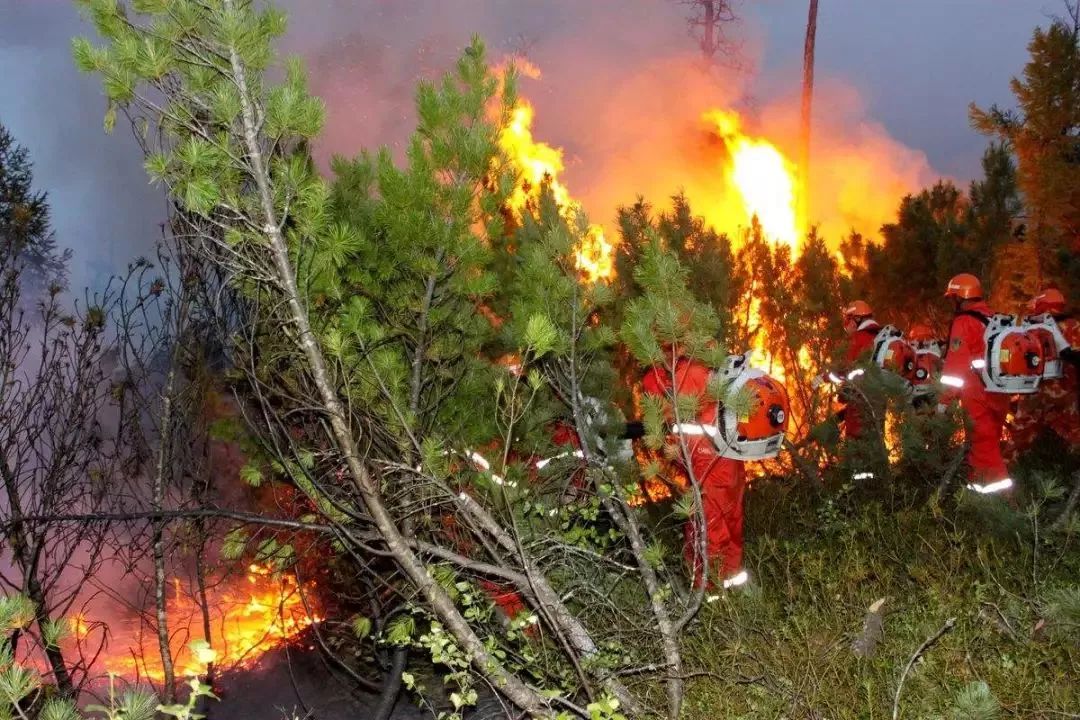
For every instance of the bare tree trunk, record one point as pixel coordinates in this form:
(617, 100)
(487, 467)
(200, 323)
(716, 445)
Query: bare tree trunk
(54, 655)
(160, 581)
(23, 558)
(204, 602)
(487, 664)
(807, 103)
(708, 39)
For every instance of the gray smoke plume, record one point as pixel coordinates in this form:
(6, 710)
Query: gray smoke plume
(915, 66)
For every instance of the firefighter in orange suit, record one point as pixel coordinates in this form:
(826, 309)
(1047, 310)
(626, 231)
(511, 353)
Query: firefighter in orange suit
(1054, 407)
(863, 329)
(722, 480)
(986, 411)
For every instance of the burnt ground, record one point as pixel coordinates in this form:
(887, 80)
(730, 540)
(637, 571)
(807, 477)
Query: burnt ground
(296, 682)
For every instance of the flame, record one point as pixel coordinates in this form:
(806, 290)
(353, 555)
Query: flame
(249, 616)
(893, 440)
(540, 164)
(596, 256)
(766, 181)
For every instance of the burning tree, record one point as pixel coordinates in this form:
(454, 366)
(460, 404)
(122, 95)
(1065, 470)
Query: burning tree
(1043, 135)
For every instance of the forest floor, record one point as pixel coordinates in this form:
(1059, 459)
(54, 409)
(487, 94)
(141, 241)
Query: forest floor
(995, 596)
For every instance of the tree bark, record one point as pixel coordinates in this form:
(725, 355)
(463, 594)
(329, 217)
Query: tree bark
(807, 104)
(160, 581)
(21, 554)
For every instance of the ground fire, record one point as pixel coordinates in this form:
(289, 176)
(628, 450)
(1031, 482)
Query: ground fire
(250, 615)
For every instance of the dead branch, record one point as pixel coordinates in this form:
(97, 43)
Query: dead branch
(927, 644)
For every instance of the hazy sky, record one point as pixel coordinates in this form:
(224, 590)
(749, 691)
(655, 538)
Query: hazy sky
(916, 65)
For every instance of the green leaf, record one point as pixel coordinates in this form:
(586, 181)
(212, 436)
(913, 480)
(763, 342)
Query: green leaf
(361, 626)
(54, 631)
(251, 474)
(138, 705)
(234, 544)
(110, 119)
(157, 166)
(16, 612)
(540, 334)
(401, 630)
(201, 195)
(59, 709)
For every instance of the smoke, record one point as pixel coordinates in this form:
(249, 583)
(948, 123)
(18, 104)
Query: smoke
(622, 92)
(366, 55)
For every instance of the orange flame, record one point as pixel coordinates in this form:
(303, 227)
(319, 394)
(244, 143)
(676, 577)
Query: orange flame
(765, 180)
(249, 616)
(538, 164)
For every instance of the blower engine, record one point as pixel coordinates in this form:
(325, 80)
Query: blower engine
(928, 364)
(752, 422)
(1046, 332)
(893, 353)
(1013, 363)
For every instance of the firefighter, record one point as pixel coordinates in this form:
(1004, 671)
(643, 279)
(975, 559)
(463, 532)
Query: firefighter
(1054, 407)
(860, 325)
(722, 480)
(960, 380)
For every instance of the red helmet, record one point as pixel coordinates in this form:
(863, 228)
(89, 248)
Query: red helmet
(1050, 301)
(857, 309)
(921, 333)
(964, 286)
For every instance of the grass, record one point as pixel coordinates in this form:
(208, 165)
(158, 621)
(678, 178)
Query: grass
(783, 648)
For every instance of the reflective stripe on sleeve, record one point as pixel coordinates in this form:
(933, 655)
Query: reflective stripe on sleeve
(695, 429)
(736, 580)
(541, 464)
(952, 381)
(991, 488)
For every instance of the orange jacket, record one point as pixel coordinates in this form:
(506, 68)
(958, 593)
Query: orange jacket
(691, 378)
(967, 343)
(862, 341)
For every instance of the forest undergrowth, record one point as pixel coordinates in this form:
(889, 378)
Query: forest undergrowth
(974, 593)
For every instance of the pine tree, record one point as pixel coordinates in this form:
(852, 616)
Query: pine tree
(706, 254)
(1045, 135)
(938, 233)
(25, 230)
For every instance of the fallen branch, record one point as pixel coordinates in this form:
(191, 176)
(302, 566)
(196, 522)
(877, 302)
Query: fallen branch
(949, 625)
(866, 644)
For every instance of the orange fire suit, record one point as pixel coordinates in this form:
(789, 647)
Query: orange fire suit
(1054, 407)
(860, 347)
(722, 480)
(986, 411)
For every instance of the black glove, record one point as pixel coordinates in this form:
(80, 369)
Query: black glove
(1071, 356)
(633, 431)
